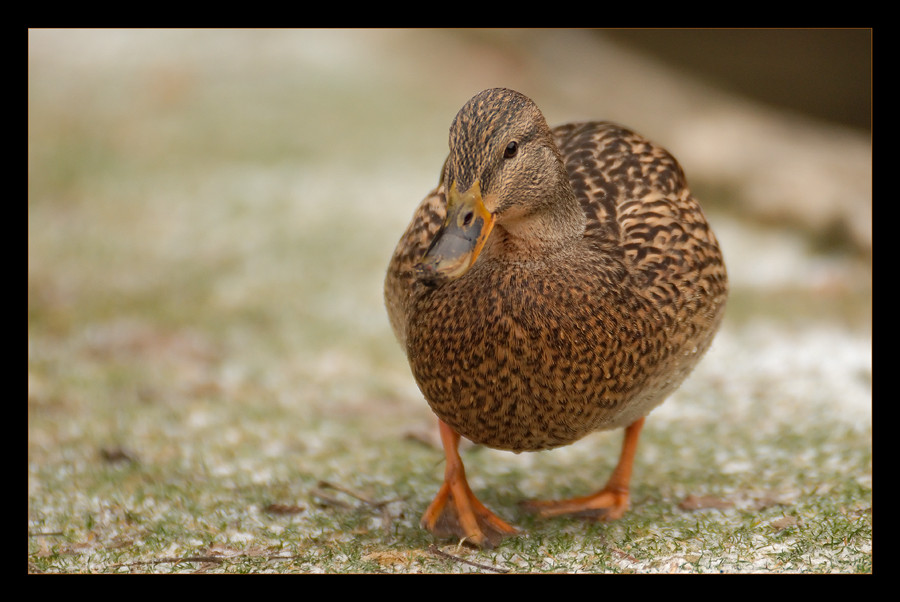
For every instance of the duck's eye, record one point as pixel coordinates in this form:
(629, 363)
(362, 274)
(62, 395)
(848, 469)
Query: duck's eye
(511, 149)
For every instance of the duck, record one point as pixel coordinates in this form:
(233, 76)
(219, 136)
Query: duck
(557, 282)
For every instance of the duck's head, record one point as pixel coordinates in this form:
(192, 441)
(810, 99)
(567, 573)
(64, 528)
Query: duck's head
(504, 171)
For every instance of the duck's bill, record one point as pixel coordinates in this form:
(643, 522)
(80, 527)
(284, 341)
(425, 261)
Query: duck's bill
(461, 238)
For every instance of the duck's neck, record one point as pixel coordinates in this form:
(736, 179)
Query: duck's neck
(557, 224)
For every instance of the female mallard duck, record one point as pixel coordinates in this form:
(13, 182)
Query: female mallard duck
(557, 282)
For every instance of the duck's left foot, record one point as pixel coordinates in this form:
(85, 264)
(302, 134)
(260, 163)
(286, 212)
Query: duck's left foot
(611, 502)
(606, 504)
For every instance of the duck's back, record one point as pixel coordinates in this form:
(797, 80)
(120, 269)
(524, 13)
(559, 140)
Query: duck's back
(639, 208)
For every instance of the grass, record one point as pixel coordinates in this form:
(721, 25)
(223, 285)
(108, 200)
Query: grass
(135, 515)
(213, 385)
(142, 485)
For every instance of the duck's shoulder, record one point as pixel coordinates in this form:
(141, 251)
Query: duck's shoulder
(610, 165)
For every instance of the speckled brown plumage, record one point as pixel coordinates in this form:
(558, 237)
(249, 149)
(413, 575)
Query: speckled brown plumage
(598, 289)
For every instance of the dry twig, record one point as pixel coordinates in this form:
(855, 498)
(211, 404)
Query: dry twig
(438, 552)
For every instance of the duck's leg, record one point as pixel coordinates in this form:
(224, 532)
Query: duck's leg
(455, 511)
(611, 502)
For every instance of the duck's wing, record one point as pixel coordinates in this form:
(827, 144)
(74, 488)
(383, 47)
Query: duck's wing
(400, 279)
(640, 210)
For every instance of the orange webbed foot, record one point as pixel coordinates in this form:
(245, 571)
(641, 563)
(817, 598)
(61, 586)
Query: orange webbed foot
(455, 511)
(604, 505)
(459, 514)
(611, 502)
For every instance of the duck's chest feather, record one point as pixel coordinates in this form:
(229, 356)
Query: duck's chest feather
(533, 356)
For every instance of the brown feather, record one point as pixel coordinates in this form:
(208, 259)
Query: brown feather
(537, 346)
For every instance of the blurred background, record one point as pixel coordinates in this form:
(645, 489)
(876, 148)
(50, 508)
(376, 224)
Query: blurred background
(210, 212)
(252, 183)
